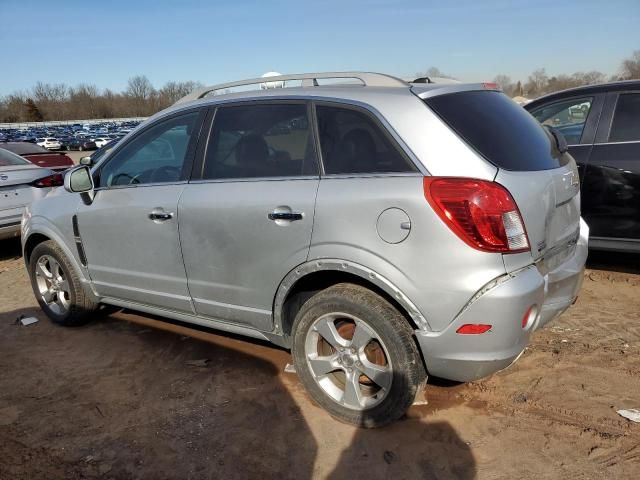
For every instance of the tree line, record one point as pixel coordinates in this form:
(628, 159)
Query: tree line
(140, 99)
(60, 102)
(540, 83)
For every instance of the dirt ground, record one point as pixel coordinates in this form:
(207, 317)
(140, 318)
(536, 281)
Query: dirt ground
(128, 396)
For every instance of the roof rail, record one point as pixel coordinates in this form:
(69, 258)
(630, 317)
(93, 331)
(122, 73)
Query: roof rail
(308, 80)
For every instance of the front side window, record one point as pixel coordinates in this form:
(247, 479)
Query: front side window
(351, 142)
(264, 140)
(568, 117)
(156, 156)
(626, 119)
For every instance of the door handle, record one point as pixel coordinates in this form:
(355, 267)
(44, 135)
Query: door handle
(291, 216)
(160, 216)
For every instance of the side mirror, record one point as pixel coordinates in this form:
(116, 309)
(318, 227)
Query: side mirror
(78, 180)
(86, 161)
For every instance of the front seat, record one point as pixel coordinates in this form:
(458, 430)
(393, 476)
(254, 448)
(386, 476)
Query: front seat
(252, 153)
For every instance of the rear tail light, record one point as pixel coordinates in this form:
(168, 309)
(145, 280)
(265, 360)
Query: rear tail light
(55, 180)
(483, 214)
(473, 328)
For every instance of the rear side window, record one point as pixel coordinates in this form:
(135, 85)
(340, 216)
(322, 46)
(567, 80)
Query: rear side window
(499, 129)
(626, 119)
(351, 142)
(268, 140)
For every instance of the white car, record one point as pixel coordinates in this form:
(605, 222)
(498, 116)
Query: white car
(49, 143)
(102, 141)
(17, 177)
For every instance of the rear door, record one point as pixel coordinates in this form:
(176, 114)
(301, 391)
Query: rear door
(246, 221)
(543, 180)
(611, 190)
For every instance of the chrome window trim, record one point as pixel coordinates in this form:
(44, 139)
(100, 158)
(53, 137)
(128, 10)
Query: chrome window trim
(139, 185)
(617, 143)
(307, 177)
(253, 179)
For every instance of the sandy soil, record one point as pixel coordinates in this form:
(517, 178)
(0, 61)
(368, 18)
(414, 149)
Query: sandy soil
(128, 396)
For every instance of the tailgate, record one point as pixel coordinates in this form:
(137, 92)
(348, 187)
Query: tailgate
(532, 164)
(549, 202)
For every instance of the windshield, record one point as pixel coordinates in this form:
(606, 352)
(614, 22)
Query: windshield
(499, 129)
(8, 158)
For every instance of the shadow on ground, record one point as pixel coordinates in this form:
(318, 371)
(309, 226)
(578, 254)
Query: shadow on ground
(614, 261)
(10, 249)
(130, 397)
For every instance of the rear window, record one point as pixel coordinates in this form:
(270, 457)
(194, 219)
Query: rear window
(499, 129)
(7, 158)
(25, 148)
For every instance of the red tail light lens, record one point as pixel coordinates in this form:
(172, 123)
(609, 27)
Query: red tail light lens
(473, 329)
(55, 180)
(483, 214)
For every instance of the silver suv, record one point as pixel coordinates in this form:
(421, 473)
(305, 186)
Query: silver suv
(381, 230)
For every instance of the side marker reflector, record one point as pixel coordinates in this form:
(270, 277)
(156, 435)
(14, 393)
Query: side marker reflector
(473, 329)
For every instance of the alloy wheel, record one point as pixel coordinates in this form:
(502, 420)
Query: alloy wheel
(348, 360)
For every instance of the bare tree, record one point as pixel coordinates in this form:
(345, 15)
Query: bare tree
(141, 92)
(631, 67)
(537, 83)
(173, 91)
(505, 83)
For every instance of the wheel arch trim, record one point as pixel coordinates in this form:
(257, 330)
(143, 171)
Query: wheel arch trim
(346, 266)
(40, 226)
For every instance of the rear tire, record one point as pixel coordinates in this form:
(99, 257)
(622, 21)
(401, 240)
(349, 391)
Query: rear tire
(57, 286)
(355, 355)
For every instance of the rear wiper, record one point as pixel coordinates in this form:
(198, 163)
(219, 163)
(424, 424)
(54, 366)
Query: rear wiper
(561, 142)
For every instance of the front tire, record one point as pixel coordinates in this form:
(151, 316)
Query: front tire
(355, 355)
(57, 286)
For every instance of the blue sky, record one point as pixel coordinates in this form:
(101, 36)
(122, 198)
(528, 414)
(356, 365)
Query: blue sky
(106, 42)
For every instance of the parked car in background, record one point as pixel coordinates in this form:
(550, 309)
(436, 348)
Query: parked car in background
(98, 154)
(49, 143)
(16, 190)
(102, 141)
(601, 124)
(382, 234)
(38, 155)
(81, 144)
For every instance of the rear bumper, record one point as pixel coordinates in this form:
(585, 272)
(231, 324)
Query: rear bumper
(10, 220)
(503, 304)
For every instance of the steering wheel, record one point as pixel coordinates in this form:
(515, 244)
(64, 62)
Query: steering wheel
(132, 180)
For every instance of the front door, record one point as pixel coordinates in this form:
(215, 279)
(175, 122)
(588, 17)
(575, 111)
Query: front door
(247, 222)
(130, 230)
